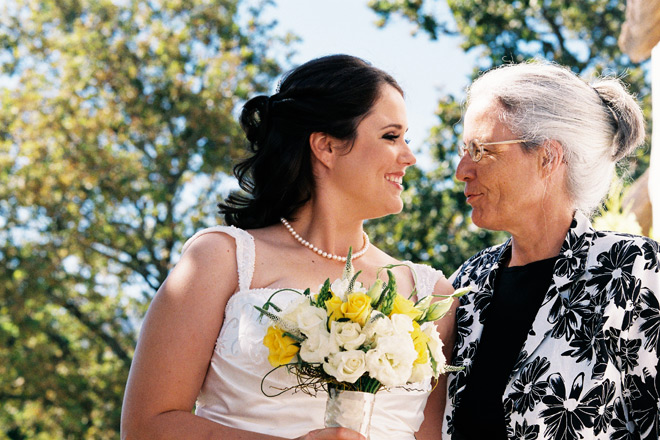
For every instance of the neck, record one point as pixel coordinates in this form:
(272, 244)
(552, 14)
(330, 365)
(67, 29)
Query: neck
(332, 231)
(541, 238)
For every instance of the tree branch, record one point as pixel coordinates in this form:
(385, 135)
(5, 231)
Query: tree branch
(556, 30)
(98, 331)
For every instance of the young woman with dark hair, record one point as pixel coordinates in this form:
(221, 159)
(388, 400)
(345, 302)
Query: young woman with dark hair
(327, 152)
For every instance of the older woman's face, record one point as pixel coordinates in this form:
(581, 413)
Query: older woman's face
(505, 188)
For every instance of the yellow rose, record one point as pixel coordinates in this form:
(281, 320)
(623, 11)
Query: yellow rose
(420, 341)
(333, 306)
(281, 348)
(357, 307)
(405, 307)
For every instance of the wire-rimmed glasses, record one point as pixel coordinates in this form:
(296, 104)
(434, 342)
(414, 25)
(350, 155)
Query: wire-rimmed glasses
(475, 148)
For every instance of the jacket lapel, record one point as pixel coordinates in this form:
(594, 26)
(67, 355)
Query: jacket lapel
(470, 313)
(569, 267)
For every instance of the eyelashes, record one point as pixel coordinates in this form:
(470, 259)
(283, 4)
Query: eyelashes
(393, 137)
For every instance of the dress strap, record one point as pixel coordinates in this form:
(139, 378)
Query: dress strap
(426, 278)
(245, 251)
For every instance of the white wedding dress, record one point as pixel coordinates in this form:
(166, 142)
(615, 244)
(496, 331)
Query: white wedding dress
(232, 390)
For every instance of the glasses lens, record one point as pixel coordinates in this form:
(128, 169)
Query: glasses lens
(462, 149)
(475, 150)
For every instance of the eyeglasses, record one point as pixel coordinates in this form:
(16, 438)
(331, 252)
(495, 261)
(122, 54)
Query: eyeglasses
(476, 149)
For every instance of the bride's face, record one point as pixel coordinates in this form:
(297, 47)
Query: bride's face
(370, 175)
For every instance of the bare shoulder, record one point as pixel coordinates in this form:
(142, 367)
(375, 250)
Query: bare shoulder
(214, 246)
(207, 265)
(443, 287)
(382, 258)
(271, 238)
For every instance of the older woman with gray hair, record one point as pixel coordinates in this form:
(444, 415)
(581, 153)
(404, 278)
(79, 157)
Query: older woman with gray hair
(559, 336)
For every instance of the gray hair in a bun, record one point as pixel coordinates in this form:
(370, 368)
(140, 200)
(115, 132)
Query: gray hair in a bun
(626, 114)
(597, 124)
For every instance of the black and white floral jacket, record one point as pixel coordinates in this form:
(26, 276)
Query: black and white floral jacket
(589, 366)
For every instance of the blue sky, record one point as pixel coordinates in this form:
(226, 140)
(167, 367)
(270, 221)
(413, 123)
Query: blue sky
(425, 69)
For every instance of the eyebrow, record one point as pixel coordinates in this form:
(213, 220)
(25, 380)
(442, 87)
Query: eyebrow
(398, 126)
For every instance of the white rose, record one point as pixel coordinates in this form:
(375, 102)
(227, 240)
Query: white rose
(402, 324)
(340, 287)
(346, 366)
(421, 372)
(435, 346)
(391, 362)
(347, 335)
(377, 327)
(307, 318)
(292, 309)
(316, 347)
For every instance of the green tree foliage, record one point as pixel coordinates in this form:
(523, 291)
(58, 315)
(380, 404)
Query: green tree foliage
(111, 110)
(582, 35)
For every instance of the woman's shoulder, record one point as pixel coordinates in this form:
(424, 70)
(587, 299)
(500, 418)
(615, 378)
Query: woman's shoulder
(206, 273)
(628, 248)
(225, 249)
(214, 236)
(215, 251)
(479, 264)
(605, 238)
(428, 280)
(485, 256)
(422, 272)
(209, 251)
(425, 269)
(629, 244)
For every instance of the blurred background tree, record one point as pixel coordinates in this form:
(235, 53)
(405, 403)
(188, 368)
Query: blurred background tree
(435, 226)
(116, 137)
(116, 109)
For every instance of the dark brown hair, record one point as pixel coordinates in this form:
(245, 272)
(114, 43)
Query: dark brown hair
(330, 95)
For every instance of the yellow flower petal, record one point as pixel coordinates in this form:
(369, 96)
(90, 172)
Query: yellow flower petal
(281, 348)
(357, 307)
(405, 307)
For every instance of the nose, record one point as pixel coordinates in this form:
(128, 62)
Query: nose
(406, 156)
(465, 170)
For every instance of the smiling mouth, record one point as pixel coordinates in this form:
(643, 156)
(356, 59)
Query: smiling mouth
(398, 180)
(470, 197)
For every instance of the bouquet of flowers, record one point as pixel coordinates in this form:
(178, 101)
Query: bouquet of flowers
(351, 338)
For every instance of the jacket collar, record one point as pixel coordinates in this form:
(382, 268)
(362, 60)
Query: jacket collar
(570, 265)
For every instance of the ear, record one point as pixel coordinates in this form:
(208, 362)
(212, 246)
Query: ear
(551, 157)
(324, 148)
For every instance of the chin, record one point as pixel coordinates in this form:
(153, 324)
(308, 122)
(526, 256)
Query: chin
(479, 221)
(396, 209)
(385, 212)
(484, 224)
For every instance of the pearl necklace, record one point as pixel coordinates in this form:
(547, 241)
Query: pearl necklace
(321, 252)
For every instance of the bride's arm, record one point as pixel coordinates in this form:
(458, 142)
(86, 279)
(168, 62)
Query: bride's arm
(175, 347)
(431, 428)
(176, 343)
